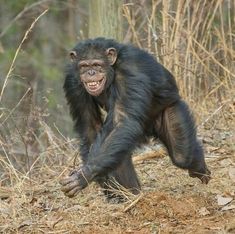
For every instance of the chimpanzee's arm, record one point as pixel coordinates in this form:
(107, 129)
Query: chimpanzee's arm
(106, 153)
(84, 146)
(87, 129)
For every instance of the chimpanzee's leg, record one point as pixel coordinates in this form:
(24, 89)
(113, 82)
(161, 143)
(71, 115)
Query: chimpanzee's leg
(176, 129)
(125, 175)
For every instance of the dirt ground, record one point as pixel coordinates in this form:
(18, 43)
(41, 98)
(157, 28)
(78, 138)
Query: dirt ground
(170, 202)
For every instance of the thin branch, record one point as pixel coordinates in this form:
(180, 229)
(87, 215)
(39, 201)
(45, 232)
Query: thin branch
(215, 112)
(19, 15)
(17, 52)
(20, 101)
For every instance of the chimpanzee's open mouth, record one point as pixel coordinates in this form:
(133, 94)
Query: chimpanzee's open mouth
(95, 88)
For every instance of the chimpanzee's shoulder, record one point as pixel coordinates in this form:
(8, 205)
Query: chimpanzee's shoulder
(133, 54)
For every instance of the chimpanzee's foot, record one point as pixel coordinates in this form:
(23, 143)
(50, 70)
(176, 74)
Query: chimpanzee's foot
(204, 176)
(114, 192)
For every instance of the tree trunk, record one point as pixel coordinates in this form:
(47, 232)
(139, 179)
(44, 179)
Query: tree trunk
(105, 19)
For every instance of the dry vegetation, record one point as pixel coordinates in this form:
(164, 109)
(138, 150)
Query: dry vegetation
(196, 42)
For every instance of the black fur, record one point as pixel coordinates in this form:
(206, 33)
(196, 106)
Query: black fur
(141, 100)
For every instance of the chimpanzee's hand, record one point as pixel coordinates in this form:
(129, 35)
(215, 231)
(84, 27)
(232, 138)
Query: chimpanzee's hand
(76, 181)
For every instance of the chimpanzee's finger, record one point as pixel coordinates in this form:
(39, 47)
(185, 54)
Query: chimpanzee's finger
(70, 186)
(75, 172)
(68, 179)
(73, 192)
(65, 181)
(205, 179)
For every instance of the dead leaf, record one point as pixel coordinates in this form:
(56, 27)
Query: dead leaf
(228, 207)
(25, 223)
(226, 162)
(203, 211)
(231, 173)
(222, 201)
(208, 140)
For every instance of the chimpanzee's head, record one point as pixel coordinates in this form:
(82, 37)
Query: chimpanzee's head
(94, 64)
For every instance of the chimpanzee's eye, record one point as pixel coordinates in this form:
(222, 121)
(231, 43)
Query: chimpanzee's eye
(97, 65)
(84, 65)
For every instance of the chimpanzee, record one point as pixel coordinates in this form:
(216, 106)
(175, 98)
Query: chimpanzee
(140, 99)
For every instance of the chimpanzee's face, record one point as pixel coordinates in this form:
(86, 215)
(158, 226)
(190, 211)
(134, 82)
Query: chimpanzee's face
(93, 70)
(93, 75)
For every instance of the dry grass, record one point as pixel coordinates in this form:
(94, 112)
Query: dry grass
(195, 40)
(17, 52)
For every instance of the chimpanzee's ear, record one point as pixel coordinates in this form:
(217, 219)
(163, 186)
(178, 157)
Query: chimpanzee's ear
(73, 55)
(112, 55)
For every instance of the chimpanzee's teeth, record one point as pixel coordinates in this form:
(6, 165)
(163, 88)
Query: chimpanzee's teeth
(94, 83)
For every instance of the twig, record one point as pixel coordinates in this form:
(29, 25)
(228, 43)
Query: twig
(18, 16)
(17, 52)
(149, 155)
(133, 203)
(215, 112)
(10, 165)
(10, 113)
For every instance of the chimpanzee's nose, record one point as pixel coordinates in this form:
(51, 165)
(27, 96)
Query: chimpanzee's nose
(91, 72)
